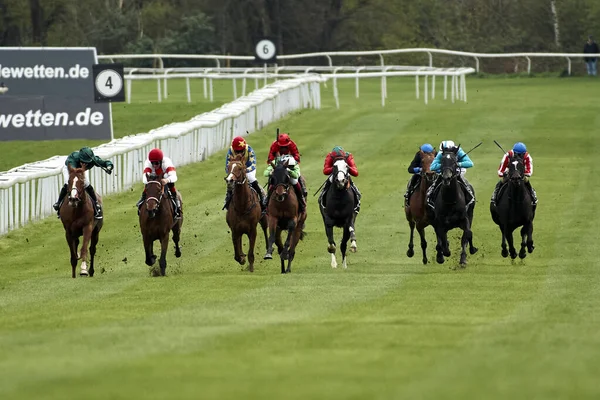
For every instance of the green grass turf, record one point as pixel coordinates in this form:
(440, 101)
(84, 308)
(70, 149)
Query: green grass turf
(388, 327)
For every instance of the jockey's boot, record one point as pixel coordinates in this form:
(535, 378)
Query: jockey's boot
(228, 197)
(300, 196)
(261, 196)
(176, 203)
(323, 195)
(61, 197)
(141, 201)
(412, 184)
(534, 199)
(495, 194)
(97, 207)
(303, 186)
(358, 196)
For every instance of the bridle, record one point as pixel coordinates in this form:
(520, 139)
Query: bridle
(157, 200)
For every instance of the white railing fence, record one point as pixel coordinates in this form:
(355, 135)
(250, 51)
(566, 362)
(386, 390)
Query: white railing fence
(28, 192)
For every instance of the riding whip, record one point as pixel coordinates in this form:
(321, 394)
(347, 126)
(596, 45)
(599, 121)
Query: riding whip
(480, 143)
(323, 184)
(277, 136)
(498, 144)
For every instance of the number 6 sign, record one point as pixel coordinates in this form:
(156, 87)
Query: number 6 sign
(108, 83)
(265, 51)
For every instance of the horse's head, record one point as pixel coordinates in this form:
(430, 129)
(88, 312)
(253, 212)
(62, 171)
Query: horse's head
(280, 180)
(516, 168)
(340, 174)
(236, 171)
(450, 169)
(154, 194)
(426, 172)
(76, 186)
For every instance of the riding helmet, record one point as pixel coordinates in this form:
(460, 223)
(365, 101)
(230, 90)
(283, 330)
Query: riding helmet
(155, 155)
(427, 148)
(86, 155)
(284, 140)
(238, 143)
(447, 144)
(520, 148)
(338, 151)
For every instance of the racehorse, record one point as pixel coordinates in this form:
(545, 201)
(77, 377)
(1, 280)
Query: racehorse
(513, 209)
(77, 216)
(244, 212)
(339, 212)
(157, 221)
(283, 214)
(451, 210)
(415, 211)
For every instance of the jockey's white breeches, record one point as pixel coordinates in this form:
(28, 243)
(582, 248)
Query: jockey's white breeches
(86, 176)
(251, 176)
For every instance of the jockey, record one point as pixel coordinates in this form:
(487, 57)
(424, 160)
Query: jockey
(84, 158)
(464, 162)
(338, 153)
(161, 166)
(294, 174)
(239, 146)
(519, 149)
(284, 145)
(415, 169)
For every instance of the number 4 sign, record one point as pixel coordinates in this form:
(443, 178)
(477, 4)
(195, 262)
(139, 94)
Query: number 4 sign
(108, 83)
(265, 51)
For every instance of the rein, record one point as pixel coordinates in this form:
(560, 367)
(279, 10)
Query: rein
(159, 199)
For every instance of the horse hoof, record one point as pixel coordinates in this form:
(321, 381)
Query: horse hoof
(177, 253)
(410, 252)
(425, 261)
(440, 259)
(473, 250)
(331, 248)
(522, 254)
(353, 247)
(530, 248)
(463, 265)
(268, 256)
(504, 253)
(513, 255)
(251, 268)
(84, 273)
(447, 253)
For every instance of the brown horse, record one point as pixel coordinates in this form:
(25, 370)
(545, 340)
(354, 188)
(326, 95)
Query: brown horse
(415, 211)
(77, 216)
(157, 220)
(283, 214)
(244, 212)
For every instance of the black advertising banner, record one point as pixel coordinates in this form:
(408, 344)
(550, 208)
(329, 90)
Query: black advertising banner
(49, 94)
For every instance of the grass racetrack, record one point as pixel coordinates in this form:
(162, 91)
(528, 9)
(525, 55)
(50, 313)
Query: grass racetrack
(387, 327)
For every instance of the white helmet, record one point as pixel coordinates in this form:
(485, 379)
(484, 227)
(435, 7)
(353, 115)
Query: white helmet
(291, 161)
(447, 144)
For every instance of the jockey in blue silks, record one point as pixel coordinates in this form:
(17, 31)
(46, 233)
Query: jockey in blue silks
(464, 162)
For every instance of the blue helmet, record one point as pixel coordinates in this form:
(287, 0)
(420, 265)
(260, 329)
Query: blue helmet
(520, 148)
(427, 148)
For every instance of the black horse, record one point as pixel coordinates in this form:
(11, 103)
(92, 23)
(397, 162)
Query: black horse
(338, 211)
(514, 208)
(451, 209)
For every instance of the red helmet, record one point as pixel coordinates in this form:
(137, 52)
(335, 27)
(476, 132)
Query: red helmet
(155, 155)
(284, 140)
(238, 143)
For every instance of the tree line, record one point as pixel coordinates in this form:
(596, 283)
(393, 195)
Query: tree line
(299, 26)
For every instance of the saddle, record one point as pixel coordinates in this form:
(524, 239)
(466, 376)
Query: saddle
(434, 189)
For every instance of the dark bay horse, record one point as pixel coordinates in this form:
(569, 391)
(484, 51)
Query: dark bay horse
(451, 210)
(77, 216)
(283, 214)
(244, 212)
(513, 209)
(415, 211)
(157, 221)
(339, 212)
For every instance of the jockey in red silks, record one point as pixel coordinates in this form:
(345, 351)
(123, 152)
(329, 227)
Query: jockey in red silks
(282, 146)
(161, 166)
(239, 146)
(521, 150)
(338, 153)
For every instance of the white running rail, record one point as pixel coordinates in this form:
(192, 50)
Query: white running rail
(28, 192)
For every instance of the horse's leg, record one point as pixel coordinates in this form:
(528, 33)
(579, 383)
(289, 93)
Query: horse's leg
(265, 228)
(73, 251)
(410, 251)
(511, 245)
(523, 251)
(421, 230)
(464, 241)
(93, 243)
(285, 255)
(236, 239)
(353, 234)
(148, 249)
(472, 249)
(177, 237)
(530, 245)
(331, 247)
(87, 234)
(164, 246)
(272, 237)
(344, 245)
(504, 251)
(441, 242)
(251, 244)
(296, 235)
